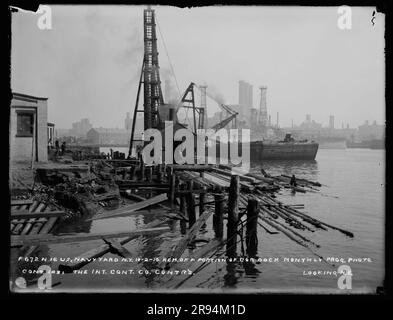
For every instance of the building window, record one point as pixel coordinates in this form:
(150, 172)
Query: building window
(25, 124)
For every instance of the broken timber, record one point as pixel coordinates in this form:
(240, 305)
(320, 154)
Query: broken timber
(48, 239)
(23, 214)
(133, 207)
(88, 256)
(182, 245)
(20, 202)
(116, 247)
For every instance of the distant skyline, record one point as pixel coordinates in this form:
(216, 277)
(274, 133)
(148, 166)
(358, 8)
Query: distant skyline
(324, 125)
(88, 64)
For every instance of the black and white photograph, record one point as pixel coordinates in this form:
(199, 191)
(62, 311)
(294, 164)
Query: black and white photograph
(220, 149)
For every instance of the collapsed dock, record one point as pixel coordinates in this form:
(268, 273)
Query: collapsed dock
(179, 197)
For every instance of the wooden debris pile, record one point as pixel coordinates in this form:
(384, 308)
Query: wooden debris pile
(190, 194)
(78, 189)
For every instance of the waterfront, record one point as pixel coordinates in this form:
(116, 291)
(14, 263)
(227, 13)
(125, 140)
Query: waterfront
(352, 197)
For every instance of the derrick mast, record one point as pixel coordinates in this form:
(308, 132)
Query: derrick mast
(153, 98)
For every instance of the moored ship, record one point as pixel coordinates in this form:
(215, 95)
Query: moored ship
(287, 149)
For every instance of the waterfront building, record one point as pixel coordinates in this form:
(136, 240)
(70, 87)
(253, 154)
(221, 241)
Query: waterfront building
(80, 128)
(28, 134)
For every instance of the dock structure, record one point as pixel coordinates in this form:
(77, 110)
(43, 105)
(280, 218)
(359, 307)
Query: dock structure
(29, 218)
(188, 198)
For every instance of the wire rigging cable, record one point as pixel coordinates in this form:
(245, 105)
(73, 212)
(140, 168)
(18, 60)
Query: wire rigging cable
(222, 106)
(169, 59)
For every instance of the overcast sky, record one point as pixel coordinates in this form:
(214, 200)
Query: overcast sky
(88, 64)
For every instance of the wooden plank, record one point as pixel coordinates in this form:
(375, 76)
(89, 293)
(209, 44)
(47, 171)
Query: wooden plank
(20, 202)
(40, 207)
(121, 160)
(158, 189)
(193, 191)
(229, 174)
(183, 167)
(213, 244)
(41, 229)
(85, 258)
(33, 206)
(27, 214)
(28, 226)
(140, 184)
(182, 245)
(173, 210)
(107, 195)
(316, 184)
(131, 208)
(260, 177)
(48, 239)
(117, 248)
(244, 184)
(202, 252)
(48, 226)
(18, 228)
(266, 229)
(37, 226)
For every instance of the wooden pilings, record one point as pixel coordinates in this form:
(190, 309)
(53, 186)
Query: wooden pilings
(172, 186)
(201, 203)
(149, 174)
(251, 227)
(218, 217)
(159, 174)
(132, 173)
(183, 209)
(190, 204)
(142, 172)
(233, 216)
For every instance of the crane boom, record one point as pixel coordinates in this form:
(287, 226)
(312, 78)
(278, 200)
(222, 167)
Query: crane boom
(224, 122)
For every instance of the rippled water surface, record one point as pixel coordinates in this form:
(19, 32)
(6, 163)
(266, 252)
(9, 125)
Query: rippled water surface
(352, 198)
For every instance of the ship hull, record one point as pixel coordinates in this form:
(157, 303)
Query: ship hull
(377, 144)
(260, 150)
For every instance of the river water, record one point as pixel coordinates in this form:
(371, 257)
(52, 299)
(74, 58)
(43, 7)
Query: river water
(352, 197)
